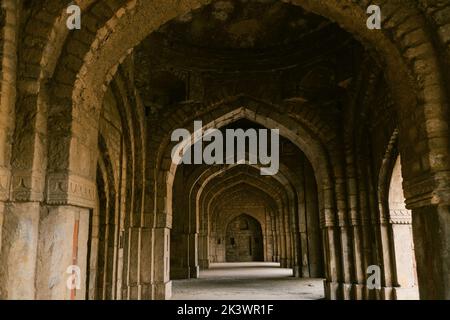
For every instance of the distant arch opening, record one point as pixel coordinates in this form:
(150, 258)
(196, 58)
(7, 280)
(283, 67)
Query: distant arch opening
(244, 240)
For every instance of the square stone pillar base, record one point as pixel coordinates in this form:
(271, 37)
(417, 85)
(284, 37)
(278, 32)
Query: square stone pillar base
(163, 291)
(18, 251)
(406, 293)
(194, 272)
(358, 291)
(347, 289)
(332, 290)
(297, 272)
(62, 253)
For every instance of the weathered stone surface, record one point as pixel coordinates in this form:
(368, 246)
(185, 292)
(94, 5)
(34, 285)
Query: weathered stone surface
(63, 242)
(86, 118)
(19, 250)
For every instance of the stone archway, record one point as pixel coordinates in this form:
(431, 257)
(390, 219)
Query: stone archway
(261, 113)
(65, 90)
(244, 240)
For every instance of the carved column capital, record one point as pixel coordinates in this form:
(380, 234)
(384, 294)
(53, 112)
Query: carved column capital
(69, 189)
(27, 186)
(427, 190)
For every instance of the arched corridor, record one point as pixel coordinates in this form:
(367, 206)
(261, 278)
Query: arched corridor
(123, 174)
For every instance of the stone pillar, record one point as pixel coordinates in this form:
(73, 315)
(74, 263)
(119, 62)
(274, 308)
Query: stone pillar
(297, 269)
(276, 237)
(404, 262)
(193, 267)
(291, 254)
(179, 265)
(366, 242)
(8, 75)
(346, 260)
(268, 239)
(288, 236)
(184, 264)
(162, 283)
(146, 263)
(2, 214)
(133, 234)
(19, 250)
(203, 251)
(360, 275)
(346, 254)
(332, 287)
(282, 239)
(265, 244)
(8, 66)
(303, 217)
(311, 234)
(431, 232)
(62, 253)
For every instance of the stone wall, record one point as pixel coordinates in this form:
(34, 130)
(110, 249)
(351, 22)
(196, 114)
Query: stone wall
(243, 240)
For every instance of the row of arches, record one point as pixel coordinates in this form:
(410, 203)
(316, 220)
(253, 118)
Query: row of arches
(284, 209)
(117, 185)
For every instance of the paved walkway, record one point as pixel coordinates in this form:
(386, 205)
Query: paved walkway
(252, 281)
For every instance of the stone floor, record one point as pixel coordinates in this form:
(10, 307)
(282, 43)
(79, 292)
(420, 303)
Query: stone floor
(240, 281)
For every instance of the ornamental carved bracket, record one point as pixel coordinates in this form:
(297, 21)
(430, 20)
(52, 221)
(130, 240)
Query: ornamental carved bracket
(419, 192)
(66, 189)
(400, 216)
(27, 186)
